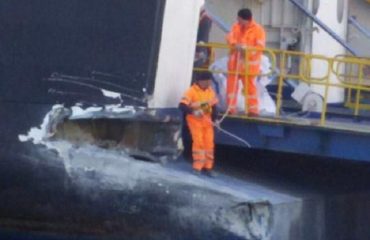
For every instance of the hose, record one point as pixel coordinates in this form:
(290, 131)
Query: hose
(217, 126)
(234, 87)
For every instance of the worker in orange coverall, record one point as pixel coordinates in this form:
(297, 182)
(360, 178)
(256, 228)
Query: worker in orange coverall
(244, 33)
(199, 106)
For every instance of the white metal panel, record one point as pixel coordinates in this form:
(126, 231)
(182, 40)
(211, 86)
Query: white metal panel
(324, 44)
(176, 53)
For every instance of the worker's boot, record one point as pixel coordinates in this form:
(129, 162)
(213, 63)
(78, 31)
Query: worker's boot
(253, 114)
(210, 173)
(196, 172)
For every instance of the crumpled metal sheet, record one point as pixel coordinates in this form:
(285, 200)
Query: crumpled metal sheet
(148, 134)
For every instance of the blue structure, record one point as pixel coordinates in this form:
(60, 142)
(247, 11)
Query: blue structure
(348, 144)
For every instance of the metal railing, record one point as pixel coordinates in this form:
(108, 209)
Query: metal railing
(349, 73)
(357, 72)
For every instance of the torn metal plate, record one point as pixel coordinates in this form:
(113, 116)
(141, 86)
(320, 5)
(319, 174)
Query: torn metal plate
(143, 133)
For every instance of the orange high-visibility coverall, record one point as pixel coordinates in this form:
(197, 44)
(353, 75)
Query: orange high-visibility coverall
(251, 36)
(201, 128)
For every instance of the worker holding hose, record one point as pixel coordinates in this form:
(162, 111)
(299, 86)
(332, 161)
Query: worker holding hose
(245, 33)
(199, 105)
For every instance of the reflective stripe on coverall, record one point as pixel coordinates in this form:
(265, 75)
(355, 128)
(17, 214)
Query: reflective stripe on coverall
(201, 128)
(251, 36)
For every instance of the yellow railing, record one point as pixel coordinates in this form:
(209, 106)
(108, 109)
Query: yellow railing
(348, 73)
(357, 73)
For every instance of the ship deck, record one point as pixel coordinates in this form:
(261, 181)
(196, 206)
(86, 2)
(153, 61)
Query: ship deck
(342, 135)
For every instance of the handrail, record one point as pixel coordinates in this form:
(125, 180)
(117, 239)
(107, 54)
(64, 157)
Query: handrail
(325, 27)
(278, 59)
(352, 20)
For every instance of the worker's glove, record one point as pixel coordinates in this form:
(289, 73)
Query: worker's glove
(195, 105)
(198, 113)
(204, 104)
(240, 47)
